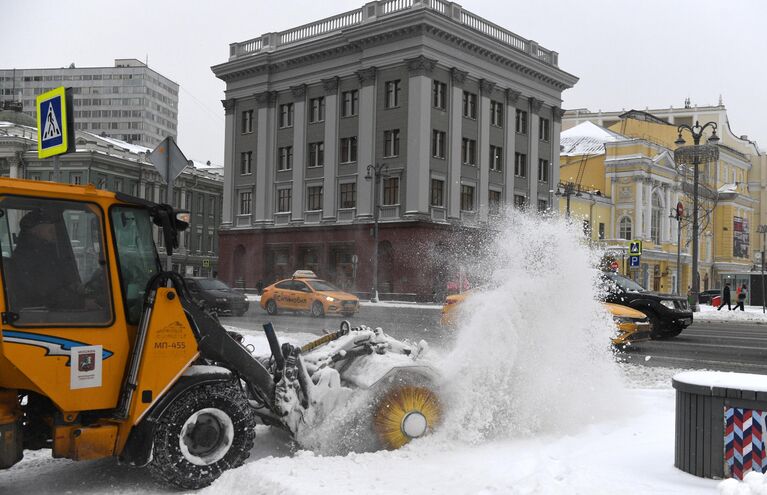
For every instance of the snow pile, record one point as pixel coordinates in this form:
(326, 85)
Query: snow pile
(533, 352)
(752, 314)
(753, 484)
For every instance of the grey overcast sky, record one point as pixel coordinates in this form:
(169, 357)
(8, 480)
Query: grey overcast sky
(627, 53)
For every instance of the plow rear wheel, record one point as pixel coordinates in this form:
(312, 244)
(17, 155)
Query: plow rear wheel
(404, 413)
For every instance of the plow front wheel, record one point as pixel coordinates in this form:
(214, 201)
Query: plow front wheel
(405, 413)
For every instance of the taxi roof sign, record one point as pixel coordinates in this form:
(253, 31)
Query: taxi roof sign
(635, 248)
(54, 122)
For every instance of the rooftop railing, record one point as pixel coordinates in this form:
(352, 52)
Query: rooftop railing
(375, 10)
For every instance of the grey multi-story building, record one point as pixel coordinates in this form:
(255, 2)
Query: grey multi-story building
(115, 165)
(464, 115)
(129, 101)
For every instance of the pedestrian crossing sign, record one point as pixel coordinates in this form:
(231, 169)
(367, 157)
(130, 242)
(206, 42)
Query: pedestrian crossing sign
(54, 123)
(635, 248)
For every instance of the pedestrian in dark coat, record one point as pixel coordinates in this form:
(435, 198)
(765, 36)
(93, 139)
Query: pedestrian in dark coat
(741, 298)
(725, 298)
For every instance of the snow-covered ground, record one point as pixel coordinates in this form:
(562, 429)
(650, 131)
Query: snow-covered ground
(752, 314)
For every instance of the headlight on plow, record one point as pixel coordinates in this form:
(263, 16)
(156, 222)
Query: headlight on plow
(405, 413)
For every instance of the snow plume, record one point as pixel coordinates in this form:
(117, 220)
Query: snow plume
(532, 353)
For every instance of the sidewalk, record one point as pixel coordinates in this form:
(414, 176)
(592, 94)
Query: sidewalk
(752, 314)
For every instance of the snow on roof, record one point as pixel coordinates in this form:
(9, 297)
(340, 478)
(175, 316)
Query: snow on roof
(587, 138)
(208, 167)
(133, 148)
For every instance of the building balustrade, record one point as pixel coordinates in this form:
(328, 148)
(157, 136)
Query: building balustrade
(438, 214)
(346, 214)
(313, 217)
(389, 212)
(383, 8)
(282, 218)
(469, 217)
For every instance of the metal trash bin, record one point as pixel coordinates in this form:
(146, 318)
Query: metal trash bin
(721, 423)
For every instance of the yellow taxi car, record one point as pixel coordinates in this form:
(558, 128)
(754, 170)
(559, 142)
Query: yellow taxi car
(632, 325)
(305, 292)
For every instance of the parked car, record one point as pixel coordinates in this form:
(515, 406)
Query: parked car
(305, 292)
(706, 296)
(668, 314)
(217, 296)
(631, 325)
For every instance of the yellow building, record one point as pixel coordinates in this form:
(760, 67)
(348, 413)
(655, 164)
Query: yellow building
(625, 184)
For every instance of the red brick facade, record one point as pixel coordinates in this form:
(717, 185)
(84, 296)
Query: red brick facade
(413, 256)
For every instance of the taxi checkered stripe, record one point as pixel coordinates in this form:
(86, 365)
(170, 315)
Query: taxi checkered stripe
(744, 441)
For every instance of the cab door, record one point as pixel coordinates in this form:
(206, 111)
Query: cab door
(303, 295)
(283, 295)
(62, 334)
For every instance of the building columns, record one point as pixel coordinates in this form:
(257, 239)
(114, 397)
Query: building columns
(455, 136)
(366, 140)
(535, 107)
(638, 223)
(265, 118)
(510, 144)
(486, 90)
(418, 136)
(229, 164)
(299, 152)
(329, 201)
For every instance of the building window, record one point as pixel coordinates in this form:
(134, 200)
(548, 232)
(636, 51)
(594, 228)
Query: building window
(247, 121)
(543, 170)
(348, 195)
(349, 149)
(467, 198)
(469, 151)
(350, 101)
(543, 205)
(314, 199)
(601, 231)
(317, 109)
(391, 143)
(437, 192)
(544, 128)
(316, 154)
(625, 228)
(521, 122)
(469, 105)
(76, 179)
(439, 95)
(119, 188)
(496, 113)
(494, 202)
(246, 197)
(246, 163)
(286, 115)
(520, 201)
(286, 158)
(393, 89)
(212, 207)
(438, 143)
(520, 165)
(284, 200)
(391, 191)
(496, 158)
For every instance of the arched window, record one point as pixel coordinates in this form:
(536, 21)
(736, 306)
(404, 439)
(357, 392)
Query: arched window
(657, 208)
(625, 228)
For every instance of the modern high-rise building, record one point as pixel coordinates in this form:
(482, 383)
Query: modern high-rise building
(459, 114)
(129, 101)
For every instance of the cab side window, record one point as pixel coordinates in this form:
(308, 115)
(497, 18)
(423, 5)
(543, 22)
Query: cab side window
(300, 286)
(53, 263)
(287, 285)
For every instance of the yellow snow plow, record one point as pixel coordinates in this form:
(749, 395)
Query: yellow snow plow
(103, 354)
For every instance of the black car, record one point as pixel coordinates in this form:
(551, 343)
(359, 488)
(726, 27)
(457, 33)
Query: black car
(217, 296)
(706, 296)
(669, 314)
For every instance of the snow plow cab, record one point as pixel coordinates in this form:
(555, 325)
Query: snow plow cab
(103, 354)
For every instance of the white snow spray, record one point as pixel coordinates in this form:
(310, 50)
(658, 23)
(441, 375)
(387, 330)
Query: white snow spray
(532, 353)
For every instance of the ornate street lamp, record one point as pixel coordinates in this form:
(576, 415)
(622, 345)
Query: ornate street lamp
(375, 173)
(678, 214)
(695, 155)
(568, 189)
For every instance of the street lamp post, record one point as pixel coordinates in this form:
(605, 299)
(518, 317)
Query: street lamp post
(375, 172)
(694, 155)
(762, 229)
(678, 214)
